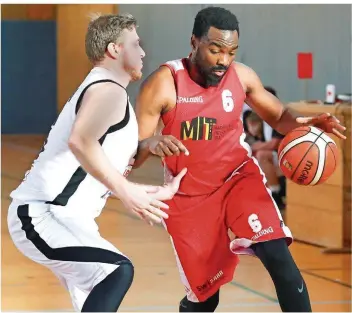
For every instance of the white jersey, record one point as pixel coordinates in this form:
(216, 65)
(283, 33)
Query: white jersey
(56, 176)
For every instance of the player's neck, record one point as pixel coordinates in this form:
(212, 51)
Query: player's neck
(117, 72)
(194, 73)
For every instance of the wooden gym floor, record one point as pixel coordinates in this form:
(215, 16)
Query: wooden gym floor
(27, 286)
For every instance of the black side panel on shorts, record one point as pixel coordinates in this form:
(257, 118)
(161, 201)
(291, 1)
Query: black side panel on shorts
(80, 174)
(72, 254)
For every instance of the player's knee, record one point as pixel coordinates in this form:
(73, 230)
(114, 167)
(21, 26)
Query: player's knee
(123, 275)
(277, 258)
(109, 293)
(121, 279)
(126, 270)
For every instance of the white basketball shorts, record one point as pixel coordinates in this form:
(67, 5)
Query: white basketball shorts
(71, 247)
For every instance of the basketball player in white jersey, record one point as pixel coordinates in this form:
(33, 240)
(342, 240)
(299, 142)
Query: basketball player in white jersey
(52, 216)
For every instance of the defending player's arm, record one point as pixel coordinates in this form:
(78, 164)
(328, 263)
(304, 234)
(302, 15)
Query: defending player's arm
(271, 110)
(157, 93)
(103, 106)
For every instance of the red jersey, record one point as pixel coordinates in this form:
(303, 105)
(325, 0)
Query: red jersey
(208, 122)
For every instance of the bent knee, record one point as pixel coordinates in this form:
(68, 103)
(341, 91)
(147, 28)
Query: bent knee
(277, 258)
(126, 269)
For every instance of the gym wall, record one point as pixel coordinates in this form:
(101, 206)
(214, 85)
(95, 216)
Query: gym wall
(39, 76)
(43, 61)
(28, 68)
(271, 35)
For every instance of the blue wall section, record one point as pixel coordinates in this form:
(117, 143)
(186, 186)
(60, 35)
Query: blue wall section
(28, 76)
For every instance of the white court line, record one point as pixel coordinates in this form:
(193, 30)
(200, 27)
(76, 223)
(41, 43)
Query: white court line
(173, 308)
(231, 305)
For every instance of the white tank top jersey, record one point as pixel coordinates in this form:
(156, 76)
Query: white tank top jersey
(56, 176)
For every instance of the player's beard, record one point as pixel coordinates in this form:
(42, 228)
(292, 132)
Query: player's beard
(132, 69)
(207, 73)
(134, 73)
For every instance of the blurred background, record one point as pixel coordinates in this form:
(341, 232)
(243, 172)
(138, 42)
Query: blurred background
(43, 58)
(302, 52)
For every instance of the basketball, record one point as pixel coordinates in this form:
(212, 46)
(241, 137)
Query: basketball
(307, 156)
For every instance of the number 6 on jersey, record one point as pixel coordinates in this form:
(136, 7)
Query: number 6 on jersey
(227, 101)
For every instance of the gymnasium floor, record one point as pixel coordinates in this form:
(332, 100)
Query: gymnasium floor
(27, 286)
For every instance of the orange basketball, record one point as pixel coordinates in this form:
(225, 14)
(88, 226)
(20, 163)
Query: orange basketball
(307, 156)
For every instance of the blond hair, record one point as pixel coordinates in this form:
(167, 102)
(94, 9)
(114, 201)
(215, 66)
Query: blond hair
(104, 29)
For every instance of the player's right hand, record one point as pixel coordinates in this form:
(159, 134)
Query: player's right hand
(142, 203)
(166, 145)
(326, 122)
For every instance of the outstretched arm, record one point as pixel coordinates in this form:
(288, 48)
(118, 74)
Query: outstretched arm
(271, 110)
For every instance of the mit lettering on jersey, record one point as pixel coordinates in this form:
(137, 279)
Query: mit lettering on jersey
(208, 120)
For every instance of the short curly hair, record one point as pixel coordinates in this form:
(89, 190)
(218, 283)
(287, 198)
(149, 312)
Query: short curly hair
(217, 17)
(103, 30)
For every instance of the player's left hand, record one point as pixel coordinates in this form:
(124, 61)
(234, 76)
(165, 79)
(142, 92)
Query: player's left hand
(326, 122)
(170, 188)
(165, 192)
(166, 145)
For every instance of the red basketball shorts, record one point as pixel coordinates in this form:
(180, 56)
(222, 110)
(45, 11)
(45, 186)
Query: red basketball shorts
(198, 227)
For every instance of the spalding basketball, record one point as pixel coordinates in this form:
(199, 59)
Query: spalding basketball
(307, 156)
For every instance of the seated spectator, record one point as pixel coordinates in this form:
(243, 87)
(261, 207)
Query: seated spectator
(264, 142)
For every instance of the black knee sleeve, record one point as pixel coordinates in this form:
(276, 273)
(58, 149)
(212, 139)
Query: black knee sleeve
(109, 293)
(277, 259)
(209, 305)
(289, 284)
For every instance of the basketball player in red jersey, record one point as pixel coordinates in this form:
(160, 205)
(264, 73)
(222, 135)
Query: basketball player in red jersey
(200, 99)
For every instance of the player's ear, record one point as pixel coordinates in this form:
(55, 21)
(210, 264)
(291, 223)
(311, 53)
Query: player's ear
(193, 43)
(113, 50)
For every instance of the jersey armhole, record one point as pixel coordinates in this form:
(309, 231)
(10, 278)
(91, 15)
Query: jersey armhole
(238, 81)
(118, 125)
(171, 69)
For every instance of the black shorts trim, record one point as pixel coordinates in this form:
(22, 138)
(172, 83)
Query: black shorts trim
(70, 254)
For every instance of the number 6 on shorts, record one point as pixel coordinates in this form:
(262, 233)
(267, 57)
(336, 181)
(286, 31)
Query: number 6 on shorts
(254, 223)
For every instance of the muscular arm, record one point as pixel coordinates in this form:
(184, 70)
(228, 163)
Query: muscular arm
(156, 94)
(266, 105)
(103, 105)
